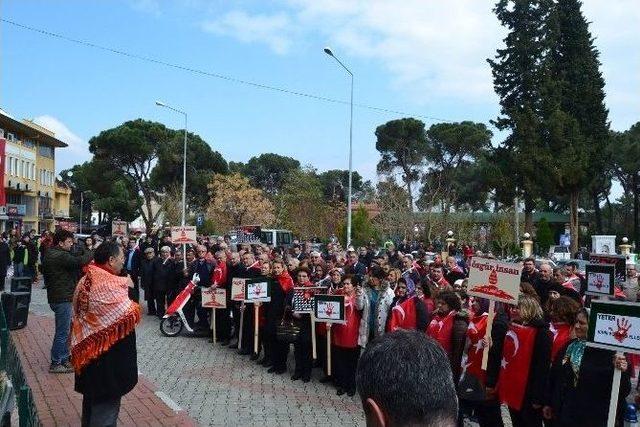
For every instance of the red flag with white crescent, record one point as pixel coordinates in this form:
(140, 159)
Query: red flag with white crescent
(403, 316)
(560, 335)
(472, 358)
(515, 364)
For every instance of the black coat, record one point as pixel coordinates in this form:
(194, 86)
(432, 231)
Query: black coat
(135, 263)
(113, 374)
(163, 275)
(5, 256)
(275, 308)
(587, 403)
(18, 254)
(147, 267)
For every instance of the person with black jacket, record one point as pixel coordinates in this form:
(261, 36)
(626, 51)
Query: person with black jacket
(302, 346)
(147, 267)
(282, 286)
(60, 269)
(579, 387)
(25, 256)
(204, 268)
(163, 279)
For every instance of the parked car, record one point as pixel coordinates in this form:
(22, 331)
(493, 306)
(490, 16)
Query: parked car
(559, 253)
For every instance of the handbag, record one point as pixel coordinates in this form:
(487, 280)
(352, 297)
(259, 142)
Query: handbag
(472, 389)
(287, 332)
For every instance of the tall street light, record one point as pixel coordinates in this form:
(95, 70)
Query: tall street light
(329, 52)
(184, 172)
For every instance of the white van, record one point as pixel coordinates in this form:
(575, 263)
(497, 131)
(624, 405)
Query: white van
(276, 237)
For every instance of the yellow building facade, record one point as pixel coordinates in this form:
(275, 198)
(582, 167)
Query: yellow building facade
(35, 200)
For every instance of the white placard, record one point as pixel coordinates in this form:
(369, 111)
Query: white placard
(184, 235)
(494, 280)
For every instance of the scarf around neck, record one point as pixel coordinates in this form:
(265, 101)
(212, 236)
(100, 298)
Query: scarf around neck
(574, 354)
(102, 315)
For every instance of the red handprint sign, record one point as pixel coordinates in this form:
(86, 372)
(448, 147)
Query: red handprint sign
(623, 329)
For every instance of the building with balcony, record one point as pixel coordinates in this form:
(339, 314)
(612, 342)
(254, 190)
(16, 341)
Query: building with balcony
(33, 199)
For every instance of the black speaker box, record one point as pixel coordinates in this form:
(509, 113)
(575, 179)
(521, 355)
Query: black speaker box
(16, 308)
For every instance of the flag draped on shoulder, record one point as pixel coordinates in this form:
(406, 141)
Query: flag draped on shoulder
(472, 358)
(560, 336)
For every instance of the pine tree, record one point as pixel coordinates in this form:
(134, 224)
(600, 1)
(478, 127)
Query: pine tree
(575, 116)
(517, 76)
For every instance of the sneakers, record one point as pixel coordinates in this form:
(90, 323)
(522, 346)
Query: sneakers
(61, 368)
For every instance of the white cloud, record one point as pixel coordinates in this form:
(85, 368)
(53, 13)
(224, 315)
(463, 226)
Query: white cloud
(273, 30)
(78, 149)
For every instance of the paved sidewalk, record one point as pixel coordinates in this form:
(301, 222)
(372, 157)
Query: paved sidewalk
(59, 405)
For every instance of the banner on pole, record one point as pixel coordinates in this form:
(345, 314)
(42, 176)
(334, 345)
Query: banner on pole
(237, 289)
(329, 308)
(119, 228)
(184, 235)
(494, 280)
(214, 298)
(600, 279)
(614, 325)
(256, 290)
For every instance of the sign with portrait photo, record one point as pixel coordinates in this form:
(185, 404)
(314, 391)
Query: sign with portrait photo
(237, 289)
(329, 308)
(214, 298)
(614, 325)
(256, 290)
(600, 279)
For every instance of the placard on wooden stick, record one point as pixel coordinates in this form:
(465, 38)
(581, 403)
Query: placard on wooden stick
(614, 325)
(600, 279)
(237, 289)
(257, 290)
(214, 298)
(619, 261)
(303, 298)
(494, 280)
(329, 309)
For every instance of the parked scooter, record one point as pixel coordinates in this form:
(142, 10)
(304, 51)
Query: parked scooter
(174, 320)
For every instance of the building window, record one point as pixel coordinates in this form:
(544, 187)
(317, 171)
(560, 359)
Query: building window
(32, 172)
(45, 151)
(9, 166)
(28, 143)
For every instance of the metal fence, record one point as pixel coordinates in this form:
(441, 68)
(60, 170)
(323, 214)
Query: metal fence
(10, 363)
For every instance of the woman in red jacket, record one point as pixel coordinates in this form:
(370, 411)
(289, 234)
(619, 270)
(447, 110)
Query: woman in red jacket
(345, 341)
(449, 327)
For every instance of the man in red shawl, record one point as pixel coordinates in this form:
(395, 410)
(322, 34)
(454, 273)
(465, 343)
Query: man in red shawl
(103, 339)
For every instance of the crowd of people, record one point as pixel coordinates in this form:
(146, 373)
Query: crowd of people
(538, 363)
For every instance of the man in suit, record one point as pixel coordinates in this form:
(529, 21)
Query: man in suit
(132, 259)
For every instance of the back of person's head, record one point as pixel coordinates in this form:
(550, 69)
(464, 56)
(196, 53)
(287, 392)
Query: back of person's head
(404, 379)
(377, 272)
(105, 251)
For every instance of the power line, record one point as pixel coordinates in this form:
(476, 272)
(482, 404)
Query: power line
(213, 74)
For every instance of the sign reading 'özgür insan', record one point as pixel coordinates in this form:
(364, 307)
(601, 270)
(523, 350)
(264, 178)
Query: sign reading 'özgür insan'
(614, 325)
(494, 280)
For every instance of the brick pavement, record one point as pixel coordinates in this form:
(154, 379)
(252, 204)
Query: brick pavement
(217, 387)
(59, 405)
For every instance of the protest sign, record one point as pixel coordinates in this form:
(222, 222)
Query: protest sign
(329, 308)
(619, 261)
(303, 298)
(600, 279)
(494, 280)
(214, 298)
(614, 325)
(237, 289)
(119, 228)
(184, 235)
(256, 290)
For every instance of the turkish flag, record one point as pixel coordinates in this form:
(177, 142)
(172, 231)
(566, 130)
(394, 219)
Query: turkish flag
(516, 361)
(472, 358)
(560, 334)
(403, 316)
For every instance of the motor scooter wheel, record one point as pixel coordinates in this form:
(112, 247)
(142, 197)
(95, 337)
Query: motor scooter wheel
(171, 326)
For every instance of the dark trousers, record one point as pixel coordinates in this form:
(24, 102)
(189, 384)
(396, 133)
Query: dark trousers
(103, 413)
(279, 353)
(304, 358)
(223, 324)
(192, 307)
(161, 302)
(235, 310)
(526, 417)
(321, 349)
(3, 277)
(345, 362)
(247, 328)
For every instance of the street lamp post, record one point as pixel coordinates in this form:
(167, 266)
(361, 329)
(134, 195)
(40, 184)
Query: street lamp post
(329, 52)
(184, 173)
